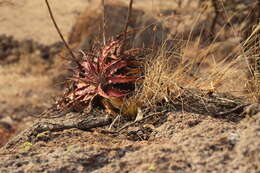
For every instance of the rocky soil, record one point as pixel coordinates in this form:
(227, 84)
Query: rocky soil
(186, 142)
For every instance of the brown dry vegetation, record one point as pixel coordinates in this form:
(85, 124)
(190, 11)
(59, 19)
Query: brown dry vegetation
(211, 45)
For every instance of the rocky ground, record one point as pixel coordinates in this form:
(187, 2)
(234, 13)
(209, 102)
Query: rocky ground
(185, 142)
(212, 133)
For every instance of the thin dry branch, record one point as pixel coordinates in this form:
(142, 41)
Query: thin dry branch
(104, 22)
(129, 13)
(58, 30)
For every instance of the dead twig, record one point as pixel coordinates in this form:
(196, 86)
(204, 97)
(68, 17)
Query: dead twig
(129, 13)
(58, 30)
(132, 123)
(104, 21)
(239, 108)
(114, 121)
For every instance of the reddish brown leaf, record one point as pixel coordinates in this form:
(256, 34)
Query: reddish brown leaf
(113, 92)
(101, 92)
(89, 66)
(114, 66)
(121, 79)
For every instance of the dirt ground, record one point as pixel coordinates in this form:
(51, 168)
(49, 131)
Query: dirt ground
(32, 74)
(30, 19)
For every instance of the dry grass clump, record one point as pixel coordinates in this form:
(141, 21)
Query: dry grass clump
(193, 66)
(252, 56)
(218, 65)
(159, 79)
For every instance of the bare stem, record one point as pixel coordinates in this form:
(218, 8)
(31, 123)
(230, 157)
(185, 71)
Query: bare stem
(129, 13)
(58, 30)
(128, 16)
(104, 22)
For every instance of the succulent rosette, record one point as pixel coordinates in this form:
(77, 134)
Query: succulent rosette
(108, 74)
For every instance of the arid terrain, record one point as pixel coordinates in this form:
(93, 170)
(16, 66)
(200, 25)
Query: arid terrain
(195, 110)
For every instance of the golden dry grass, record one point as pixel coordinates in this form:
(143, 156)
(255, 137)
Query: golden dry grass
(251, 53)
(220, 66)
